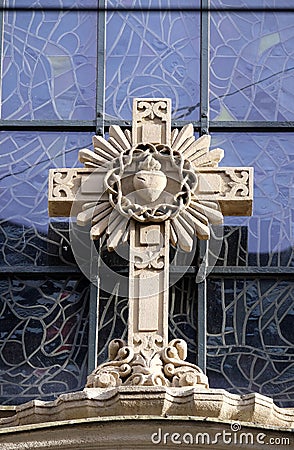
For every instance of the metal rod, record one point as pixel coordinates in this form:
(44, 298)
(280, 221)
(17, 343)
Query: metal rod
(213, 272)
(93, 328)
(201, 305)
(99, 128)
(47, 125)
(39, 271)
(90, 125)
(1, 51)
(100, 81)
(252, 271)
(251, 126)
(225, 9)
(93, 310)
(204, 68)
(204, 129)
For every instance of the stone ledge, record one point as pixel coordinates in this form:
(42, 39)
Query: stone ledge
(134, 433)
(148, 402)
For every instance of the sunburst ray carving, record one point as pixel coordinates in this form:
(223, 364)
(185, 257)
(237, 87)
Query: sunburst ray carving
(188, 216)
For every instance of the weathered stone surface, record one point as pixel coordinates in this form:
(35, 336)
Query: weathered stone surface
(152, 401)
(131, 433)
(148, 285)
(147, 362)
(150, 187)
(141, 433)
(230, 187)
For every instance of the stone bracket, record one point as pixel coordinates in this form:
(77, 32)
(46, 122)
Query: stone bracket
(151, 366)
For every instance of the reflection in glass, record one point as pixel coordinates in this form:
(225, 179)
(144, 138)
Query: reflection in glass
(44, 336)
(152, 54)
(252, 64)
(250, 337)
(270, 232)
(49, 65)
(25, 160)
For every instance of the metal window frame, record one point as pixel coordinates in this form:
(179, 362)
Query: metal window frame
(100, 125)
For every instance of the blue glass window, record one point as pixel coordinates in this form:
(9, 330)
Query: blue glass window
(25, 160)
(270, 229)
(50, 72)
(252, 63)
(49, 64)
(44, 336)
(152, 54)
(250, 337)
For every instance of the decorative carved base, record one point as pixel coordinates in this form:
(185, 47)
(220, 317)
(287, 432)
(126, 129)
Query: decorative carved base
(147, 367)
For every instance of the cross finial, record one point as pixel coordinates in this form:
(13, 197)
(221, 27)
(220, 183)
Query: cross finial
(151, 121)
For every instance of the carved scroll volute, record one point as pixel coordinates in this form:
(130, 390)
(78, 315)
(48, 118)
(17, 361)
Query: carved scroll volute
(152, 121)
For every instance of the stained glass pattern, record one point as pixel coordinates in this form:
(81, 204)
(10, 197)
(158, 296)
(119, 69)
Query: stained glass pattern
(25, 160)
(113, 317)
(49, 73)
(252, 63)
(246, 5)
(152, 54)
(43, 339)
(49, 64)
(270, 229)
(250, 337)
(233, 250)
(183, 315)
(160, 5)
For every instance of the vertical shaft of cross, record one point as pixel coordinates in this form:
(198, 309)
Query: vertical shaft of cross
(149, 244)
(148, 285)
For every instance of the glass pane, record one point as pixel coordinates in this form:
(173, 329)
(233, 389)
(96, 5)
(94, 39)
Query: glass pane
(252, 64)
(270, 229)
(51, 4)
(152, 54)
(159, 5)
(113, 318)
(49, 64)
(249, 4)
(183, 314)
(44, 337)
(250, 337)
(25, 160)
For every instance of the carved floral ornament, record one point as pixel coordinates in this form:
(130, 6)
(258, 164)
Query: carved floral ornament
(152, 366)
(151, 183)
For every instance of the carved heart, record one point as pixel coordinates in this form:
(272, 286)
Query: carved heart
(149, 184)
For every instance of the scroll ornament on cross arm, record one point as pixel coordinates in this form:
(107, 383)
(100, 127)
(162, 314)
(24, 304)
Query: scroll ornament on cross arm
(238, 183)
(151, 183)
(63, 183)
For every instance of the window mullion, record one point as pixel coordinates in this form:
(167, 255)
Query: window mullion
(204, 67)
(204, 129)
(101, 67)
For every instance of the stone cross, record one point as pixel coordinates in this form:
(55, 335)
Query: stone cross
(150, 187)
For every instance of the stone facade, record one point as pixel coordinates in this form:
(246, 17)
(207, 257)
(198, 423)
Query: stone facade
(131, 417)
